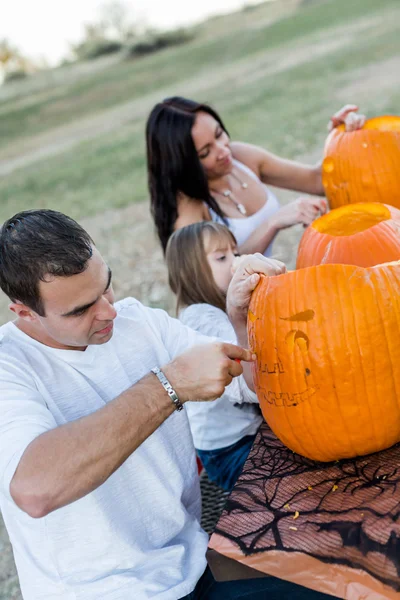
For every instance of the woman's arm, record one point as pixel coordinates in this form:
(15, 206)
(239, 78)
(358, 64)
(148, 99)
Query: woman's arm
(302, 210)
(260, 238)
(289, 174)
(280, 172)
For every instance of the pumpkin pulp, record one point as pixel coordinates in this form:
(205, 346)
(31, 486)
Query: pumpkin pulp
(352, 219)
(363, 234)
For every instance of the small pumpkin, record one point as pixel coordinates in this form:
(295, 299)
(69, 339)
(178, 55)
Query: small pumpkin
(363, 234)
(363, 165)
(327, 374)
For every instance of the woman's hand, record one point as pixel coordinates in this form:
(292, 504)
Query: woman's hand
(302, 210)
(348, 116)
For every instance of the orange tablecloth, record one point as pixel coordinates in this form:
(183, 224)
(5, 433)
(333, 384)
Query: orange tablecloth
(331, 527)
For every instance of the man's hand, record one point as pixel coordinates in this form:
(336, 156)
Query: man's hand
(348, 116)
(247, 271)
(203, 372)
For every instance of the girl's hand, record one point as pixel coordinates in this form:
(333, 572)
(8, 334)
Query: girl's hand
(348, 116)
(246, 277)
(302, 210)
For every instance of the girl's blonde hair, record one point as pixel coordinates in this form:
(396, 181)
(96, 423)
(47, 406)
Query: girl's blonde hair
(189, 273)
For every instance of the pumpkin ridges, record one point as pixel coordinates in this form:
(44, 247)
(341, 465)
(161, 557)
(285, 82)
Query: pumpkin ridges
(329, 186)
(364, 394)
(279, 303)
(394, 349)
(384, 274)
(342, 142)
(353, 363)
(270, 417)
(394, 166)
(359, 330)
(375, 187)
(365, 163)
(387, 240)
(307, 412)
(314, 408)
(302, 384)
(372, 357)
(331, 343)
(283, 303)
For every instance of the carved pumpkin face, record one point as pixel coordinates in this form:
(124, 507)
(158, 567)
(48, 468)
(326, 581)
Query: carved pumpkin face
(363, 165)
(328, 358)
(363, 234)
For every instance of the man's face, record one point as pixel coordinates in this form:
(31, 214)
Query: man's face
(79, 309)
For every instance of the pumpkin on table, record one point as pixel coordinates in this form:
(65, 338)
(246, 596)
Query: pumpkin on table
(327, 373)
(363, 234)
(363, 165)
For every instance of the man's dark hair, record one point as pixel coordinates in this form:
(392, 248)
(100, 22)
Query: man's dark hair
(36, 244)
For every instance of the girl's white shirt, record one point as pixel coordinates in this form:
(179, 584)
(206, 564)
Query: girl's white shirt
(234, 415)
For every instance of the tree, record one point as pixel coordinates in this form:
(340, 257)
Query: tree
(12, 61)
(118, 20)
(109, 33)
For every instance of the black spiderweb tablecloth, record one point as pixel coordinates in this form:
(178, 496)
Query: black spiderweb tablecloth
(338, 520)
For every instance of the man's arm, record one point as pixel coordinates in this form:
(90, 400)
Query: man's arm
(66, 463)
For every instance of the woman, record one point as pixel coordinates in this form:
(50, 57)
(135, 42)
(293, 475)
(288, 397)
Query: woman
(197, 174)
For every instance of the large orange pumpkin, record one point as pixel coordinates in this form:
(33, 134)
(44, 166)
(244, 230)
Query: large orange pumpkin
(327, 374)
(363, 165)
(363, 234)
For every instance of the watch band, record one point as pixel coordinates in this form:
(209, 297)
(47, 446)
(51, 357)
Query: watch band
(168, 388)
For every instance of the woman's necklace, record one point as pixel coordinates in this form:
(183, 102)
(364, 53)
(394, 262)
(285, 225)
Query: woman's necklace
(229, 194)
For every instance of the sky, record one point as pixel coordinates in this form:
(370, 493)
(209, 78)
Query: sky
(45, 28)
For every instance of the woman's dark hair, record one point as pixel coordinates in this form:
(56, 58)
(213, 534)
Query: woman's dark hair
(189, 274)
(35, 245)
(172, 161)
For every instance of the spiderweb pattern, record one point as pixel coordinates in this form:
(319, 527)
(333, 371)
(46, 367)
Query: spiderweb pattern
(343, 513)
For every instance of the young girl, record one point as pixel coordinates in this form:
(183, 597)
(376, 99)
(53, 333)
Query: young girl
(199, 259)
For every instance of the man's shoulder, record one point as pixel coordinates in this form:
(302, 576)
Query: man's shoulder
(128, 304)
(133, 309)
(12, 359)
(6, 338)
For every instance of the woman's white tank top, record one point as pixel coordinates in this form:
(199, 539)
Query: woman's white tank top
(243, 228)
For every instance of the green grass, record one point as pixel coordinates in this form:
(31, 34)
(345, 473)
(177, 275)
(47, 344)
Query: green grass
(285, 112)
(132, 79)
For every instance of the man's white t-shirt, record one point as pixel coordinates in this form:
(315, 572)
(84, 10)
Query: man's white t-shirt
(138, 535)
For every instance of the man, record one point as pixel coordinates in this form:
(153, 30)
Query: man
(99, 488)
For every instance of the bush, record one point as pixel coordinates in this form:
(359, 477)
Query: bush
(158, 41)
(249, 7)
(15, 75)
(92, 49)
